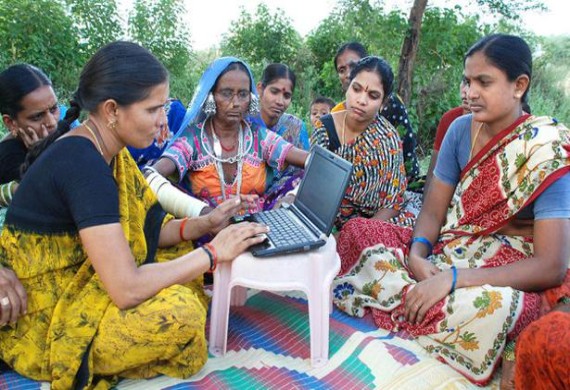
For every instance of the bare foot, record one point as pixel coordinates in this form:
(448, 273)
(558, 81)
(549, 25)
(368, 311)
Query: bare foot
(508, 375)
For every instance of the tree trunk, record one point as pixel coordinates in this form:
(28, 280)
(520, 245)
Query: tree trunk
(410, 50)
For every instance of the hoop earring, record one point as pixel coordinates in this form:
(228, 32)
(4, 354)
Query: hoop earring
(210, 105)
(253, 108)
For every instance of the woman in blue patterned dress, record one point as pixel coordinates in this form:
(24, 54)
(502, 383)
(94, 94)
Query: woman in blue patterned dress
(275, 93)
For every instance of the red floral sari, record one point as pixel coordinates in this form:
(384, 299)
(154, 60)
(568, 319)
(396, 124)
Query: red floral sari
(468, 329)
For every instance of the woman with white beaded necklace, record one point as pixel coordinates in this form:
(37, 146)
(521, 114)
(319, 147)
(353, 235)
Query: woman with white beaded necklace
(218, 152)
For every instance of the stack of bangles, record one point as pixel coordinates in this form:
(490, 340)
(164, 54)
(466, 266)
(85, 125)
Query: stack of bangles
(208, 248)
(6, 193)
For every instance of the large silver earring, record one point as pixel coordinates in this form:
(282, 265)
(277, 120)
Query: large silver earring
(210, 105)
(253, 109)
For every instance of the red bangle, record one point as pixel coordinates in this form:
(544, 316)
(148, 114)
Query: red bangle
(182, 224)
(209, 248)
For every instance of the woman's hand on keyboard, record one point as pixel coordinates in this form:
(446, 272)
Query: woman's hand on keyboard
(235, 239)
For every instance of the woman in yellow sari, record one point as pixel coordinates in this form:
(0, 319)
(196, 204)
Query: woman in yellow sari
(113, 285)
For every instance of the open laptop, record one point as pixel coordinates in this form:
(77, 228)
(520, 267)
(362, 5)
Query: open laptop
(308, 222)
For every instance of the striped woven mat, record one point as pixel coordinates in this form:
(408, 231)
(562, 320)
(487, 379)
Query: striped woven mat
(268, 348)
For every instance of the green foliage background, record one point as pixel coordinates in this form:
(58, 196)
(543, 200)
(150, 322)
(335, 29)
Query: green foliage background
(59, 36)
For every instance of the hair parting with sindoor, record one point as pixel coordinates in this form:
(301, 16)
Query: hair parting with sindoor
(122, 71)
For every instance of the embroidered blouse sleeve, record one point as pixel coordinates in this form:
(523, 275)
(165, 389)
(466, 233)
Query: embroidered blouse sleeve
(181, 152)
(274, 148)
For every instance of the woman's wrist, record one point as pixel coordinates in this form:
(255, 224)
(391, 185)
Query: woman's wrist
(182, 229)
(201, 226)
(192, 228)
(419, 240)
(7, 192)
(454, 273)
(414, 257)
(212, 256)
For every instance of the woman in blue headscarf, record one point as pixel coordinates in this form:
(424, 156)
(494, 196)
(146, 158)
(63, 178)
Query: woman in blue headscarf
(218, 152)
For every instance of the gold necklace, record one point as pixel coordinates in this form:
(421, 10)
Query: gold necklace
(475, 140)
(343, 128)
(90, 130)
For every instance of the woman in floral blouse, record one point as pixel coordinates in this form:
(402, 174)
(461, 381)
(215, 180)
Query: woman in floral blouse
(365, 138)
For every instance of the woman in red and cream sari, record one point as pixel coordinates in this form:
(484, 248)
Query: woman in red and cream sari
(492, 233)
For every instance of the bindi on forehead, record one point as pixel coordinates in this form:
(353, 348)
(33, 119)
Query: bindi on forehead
(276, 89)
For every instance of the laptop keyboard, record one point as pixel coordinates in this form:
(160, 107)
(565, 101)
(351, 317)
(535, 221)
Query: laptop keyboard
(283, 230)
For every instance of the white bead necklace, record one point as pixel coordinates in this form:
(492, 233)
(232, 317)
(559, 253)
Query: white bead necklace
(215, 152)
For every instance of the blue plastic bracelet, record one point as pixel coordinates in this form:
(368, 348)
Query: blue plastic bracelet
(454, 280)
(424, 241)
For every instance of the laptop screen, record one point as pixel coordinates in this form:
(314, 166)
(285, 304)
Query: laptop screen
(323, 188)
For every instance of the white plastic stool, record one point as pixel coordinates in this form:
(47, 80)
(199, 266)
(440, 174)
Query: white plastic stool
(311, 272)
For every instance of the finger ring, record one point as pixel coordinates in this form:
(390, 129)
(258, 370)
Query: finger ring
(5, 302)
